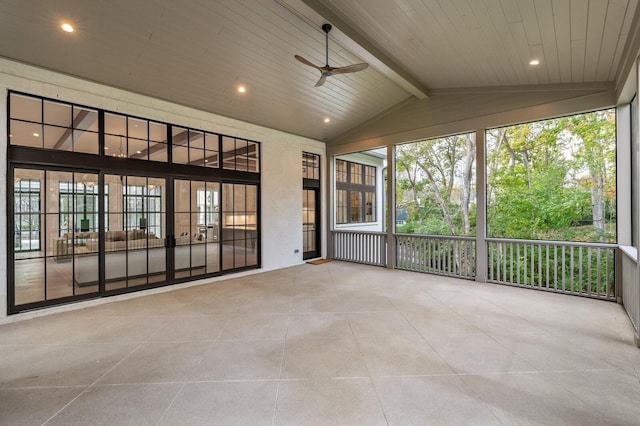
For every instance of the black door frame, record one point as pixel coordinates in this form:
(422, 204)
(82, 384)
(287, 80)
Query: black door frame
(314, 185)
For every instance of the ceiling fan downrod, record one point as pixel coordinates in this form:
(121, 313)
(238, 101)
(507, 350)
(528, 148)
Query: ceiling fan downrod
(326, 28)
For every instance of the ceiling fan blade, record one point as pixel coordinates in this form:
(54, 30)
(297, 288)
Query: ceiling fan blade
(349, 68)
(323, 78)
(304, 61)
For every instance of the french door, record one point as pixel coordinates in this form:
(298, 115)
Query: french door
(310, 223)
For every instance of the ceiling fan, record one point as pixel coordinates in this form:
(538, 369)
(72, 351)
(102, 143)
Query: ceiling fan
(328, 71)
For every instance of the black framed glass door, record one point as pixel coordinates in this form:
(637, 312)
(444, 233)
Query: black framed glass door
(135, 232)
(310, 223)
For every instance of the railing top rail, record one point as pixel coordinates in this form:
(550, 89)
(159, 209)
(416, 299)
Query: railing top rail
(553, 243)
(340, 231)
(439, 237)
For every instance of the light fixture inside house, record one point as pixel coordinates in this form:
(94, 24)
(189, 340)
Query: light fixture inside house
(36, 134)
(138, 152)
(534, 62)
(67, 27)
(242, 89)
(326, 120)
(121, 153)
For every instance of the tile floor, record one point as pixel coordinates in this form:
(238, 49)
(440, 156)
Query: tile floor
(336, 343)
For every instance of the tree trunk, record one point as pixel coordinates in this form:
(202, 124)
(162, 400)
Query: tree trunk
(443, 205)
(466, 181)
(597, 203)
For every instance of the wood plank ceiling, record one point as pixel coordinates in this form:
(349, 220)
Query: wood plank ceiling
(196, 53)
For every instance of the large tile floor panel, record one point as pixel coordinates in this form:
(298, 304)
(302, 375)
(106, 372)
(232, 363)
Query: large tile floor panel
(337, 343)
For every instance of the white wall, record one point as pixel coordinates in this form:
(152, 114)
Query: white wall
(281, 194)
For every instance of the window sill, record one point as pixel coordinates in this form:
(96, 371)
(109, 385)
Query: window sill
(630, 252)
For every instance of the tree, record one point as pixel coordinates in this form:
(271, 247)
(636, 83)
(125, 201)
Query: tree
(435, 184)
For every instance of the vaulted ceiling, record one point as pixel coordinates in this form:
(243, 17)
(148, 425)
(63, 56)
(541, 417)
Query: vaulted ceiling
(198, 52)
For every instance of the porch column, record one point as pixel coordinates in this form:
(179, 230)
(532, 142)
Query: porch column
(391, 206)
(481, 208)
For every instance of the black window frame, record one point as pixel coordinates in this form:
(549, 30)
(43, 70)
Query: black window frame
(356, 188)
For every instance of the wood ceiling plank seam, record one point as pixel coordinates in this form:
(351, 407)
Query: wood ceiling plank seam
(561, 15)
(595, 31)
(518, 34)
(491, 13)
(462, 64)
(544, 11)
(530, 22)
(611, 36)
(624, 35)
(527, 28)
(491, 50)
(578, 16)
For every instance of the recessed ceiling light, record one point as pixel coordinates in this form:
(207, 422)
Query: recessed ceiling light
(534, 62)
(206, 161)
(67, 27)
(138, 152)
(326, 120)
(36, 134)
(242, 89)
(106, 148)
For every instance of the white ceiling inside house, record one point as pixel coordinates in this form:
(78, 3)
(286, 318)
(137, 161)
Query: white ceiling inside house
(197, 52)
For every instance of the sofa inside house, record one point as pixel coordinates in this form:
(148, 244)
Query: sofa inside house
(87, 242)
(127, 253)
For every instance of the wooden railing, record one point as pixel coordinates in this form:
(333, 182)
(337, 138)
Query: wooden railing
(369, 248)
(567, 267)
(443, 255)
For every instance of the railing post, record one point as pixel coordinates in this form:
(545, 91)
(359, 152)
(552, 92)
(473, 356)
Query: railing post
(481, 209)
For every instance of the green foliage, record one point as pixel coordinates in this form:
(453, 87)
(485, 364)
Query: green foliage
(552, 179)
(432, 187)
(547, 179)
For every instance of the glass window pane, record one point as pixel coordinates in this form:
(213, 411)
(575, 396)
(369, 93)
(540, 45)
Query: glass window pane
(253, 160)
(180, 155)
(370, 207)
(25, 134)
(157, 132)
(241, 155)
(57, 114)
(356, 173)
(115, 124)
(158, 151)
(341, 171)
(212, 142)
(86, 142)
(25, 108)
(137, 128)
(57, 138)
(138, 149)
(29, 281)
(356, 207)
(85, 119)
(196, 139)
(196, 157)
(228, 153)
